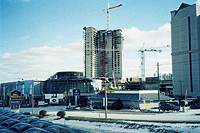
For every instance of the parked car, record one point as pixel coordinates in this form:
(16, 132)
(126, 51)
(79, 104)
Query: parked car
(41, 124)
(169, 106)
(195, 106)
(35, 130)
(188, 102)
(3, 118)
(10, 122)
(29, 120)
(58, 129)
(18, 117)
(21, 127)
(6, 131)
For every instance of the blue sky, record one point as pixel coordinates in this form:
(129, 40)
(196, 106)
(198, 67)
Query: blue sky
(40, 37)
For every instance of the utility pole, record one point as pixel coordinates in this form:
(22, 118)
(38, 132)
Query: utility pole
(105, 100)
(158, 86)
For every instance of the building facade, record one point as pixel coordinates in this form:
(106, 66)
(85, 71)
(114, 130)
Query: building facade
(64, 82)
(90, 42)
(185, 39)
(54, 90)
(138, 99)
(103, 53)
(58, 89)
(28, 88)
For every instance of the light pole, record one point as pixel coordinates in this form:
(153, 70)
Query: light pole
(158, 86)
(32, 88)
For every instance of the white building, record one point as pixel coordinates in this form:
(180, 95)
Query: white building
(140, 99)
(90, 41)
(185, 38)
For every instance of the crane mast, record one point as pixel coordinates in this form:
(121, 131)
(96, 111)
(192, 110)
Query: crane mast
(142, 50)
(108, 18)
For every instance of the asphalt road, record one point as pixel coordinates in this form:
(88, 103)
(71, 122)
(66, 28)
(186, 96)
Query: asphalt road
(189, 116)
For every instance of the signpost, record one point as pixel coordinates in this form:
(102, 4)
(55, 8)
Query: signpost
(76, 92)
(15, 100)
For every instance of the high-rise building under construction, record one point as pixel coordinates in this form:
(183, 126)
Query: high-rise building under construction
(103, 53)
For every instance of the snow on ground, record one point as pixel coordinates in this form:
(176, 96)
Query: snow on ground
(97, 127)
(136, 127)
(170, 118)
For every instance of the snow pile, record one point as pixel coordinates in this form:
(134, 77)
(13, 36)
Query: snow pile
(97, 127)
(136, 127)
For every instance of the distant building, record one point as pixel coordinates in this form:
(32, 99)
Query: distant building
(185, 38)
(90, 56)
(132, 85)
(165, 86)
(64, 83)
(27, 89)
(54, 90)
(103, 53)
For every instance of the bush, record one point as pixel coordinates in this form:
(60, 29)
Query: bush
(43, 112)
(61, 114)
(117, 105)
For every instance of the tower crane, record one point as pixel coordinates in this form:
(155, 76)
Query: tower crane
(108, 25)
(108, 13)
(142, 50)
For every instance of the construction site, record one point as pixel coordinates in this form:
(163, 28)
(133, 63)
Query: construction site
(103, 73)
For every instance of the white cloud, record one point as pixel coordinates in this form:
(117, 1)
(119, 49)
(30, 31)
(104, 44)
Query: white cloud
(157, 39)
(198, 1)
(24, 37)
(134, 38)
(41, 62)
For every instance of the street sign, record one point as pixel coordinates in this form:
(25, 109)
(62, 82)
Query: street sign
(15, 97)
(15, 101)
(76, 92)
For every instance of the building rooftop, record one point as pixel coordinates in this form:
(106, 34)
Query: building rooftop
(131, 96)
